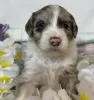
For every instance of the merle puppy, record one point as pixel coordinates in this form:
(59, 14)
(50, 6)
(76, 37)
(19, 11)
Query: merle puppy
(51, 52)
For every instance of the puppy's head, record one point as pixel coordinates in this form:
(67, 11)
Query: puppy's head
(52, 28)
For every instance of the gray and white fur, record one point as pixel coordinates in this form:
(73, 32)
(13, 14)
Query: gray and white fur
(52, 52)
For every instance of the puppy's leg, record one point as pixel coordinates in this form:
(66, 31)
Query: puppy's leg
(24, 91)
(68, 82)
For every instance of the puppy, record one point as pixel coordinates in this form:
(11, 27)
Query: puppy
(51, 52)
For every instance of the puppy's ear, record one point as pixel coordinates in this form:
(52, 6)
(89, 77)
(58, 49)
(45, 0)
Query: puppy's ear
(75, 29)
(30, 25)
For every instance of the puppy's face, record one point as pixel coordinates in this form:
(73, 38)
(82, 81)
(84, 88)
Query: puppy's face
(52, 28)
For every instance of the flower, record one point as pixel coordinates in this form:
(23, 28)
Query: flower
(18, 55)
(3, 90)
(6, 53)
(7, 47)
(86, 62)
(86, 77)
(6, 61)
(2, 53)
(8, 69)
(84, 96)
(85, 89)
(5, 79)
(11, 71)
(6, 43)
(50, 94)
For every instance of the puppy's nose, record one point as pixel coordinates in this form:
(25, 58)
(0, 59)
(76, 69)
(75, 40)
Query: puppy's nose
(55, 41)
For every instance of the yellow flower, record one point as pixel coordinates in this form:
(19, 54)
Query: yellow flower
(3, 90)
(18, 55)
(2, 53)
(7, 79)
(84, 96)
(5, 63)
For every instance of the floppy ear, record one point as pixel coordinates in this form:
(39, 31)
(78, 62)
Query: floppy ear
(75, 29)
(30, 25)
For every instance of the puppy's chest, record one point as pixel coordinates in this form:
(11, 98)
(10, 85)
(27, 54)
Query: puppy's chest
(49, 77)
(53, 63)
(51, 69)
(51, 74)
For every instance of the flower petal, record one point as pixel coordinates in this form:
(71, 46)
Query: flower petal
(91, 68)
(2, 90)
(84, 87)
(84, 96)
(2, 53)
(7, 79)
(50, 95)
(18, 55)
(5, 63)
(1, 72)
(63, 95)
(8, 57)
(12, 71)
(2, 45)
(8, 42)
(6, 86)
(82, 64)
(89, 80)
(83, 73)
(10, 51)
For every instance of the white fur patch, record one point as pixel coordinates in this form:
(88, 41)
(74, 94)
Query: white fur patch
(53, 31)
(54, 21)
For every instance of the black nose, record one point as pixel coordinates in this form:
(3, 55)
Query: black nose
(55, 41)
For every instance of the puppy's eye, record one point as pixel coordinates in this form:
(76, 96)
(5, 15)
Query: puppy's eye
(40, 24)
(64, 24)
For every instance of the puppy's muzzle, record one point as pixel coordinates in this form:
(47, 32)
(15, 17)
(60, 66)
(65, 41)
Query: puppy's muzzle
(55, 41)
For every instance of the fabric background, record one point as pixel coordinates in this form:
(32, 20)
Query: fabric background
(16, 12)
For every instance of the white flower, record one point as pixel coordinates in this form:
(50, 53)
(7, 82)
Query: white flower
(86, 62)
(11, 71)
(86, 88)
(6, 43)
(8, 70)
(86, 77)
(83, 73)
(6, 47)
(7, 52)
(6, 86)
(6, 60)
(86, 67)
(52, 95)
